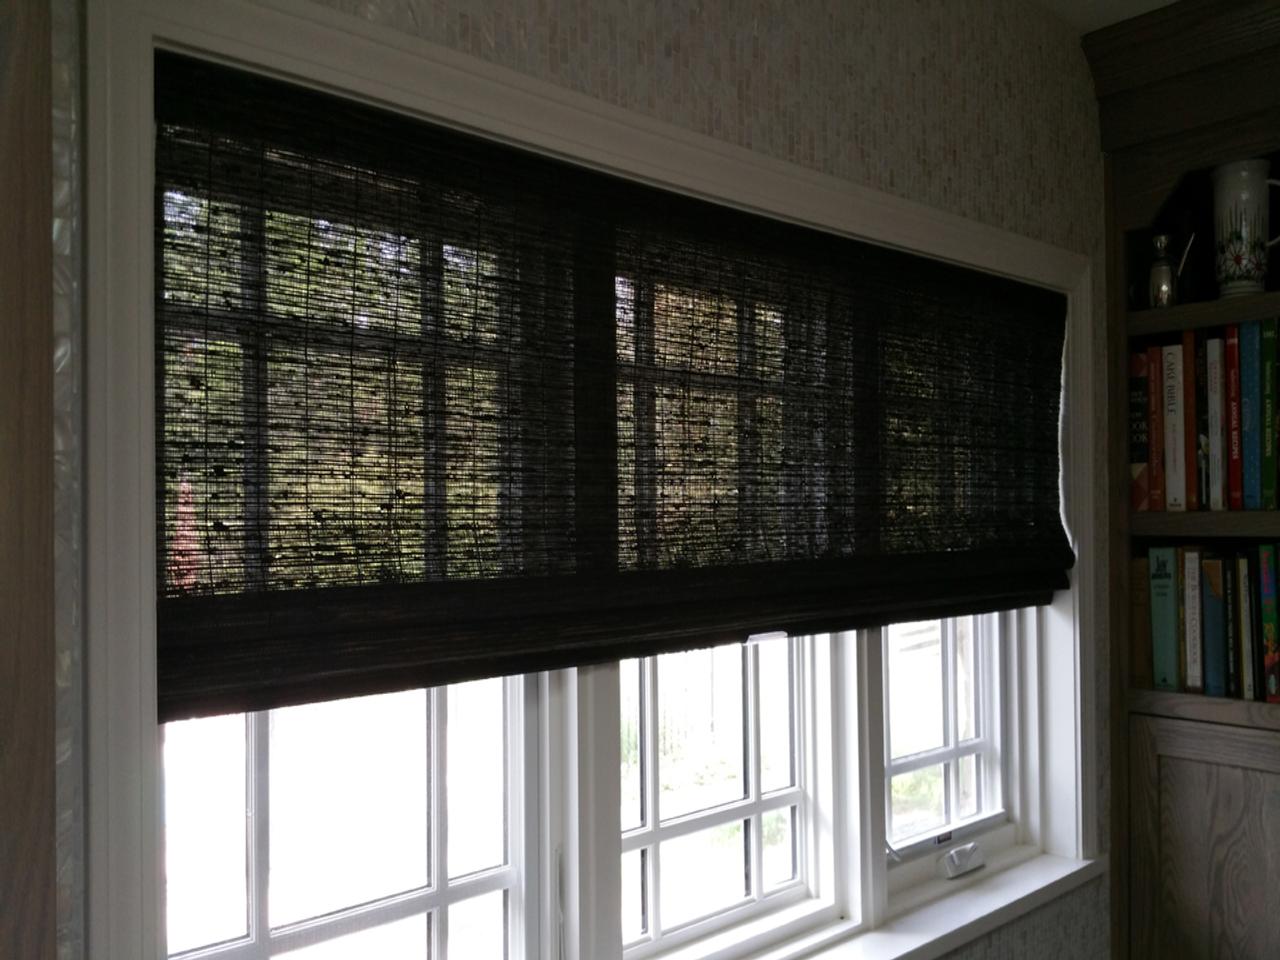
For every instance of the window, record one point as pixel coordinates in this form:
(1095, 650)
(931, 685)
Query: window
(388, 825)
(228, 846)
(942, 731)
(716, 807)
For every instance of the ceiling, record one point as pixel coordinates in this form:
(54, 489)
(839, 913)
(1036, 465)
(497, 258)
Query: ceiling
(1087, 15)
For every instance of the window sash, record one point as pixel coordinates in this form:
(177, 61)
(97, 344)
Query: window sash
(264, 942)
(991, 684)
(756, 902)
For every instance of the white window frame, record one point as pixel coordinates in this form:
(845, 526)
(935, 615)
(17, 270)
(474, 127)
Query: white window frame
(519, 754)
(992, 694)
(1052, 751)
(810, 794)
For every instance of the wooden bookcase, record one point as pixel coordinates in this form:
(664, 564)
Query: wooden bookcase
(1195, 811)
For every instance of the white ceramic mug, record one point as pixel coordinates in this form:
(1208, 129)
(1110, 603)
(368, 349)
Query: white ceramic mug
(1240, 228)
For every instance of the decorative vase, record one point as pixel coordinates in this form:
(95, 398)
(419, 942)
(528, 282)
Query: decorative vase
(1240, 225)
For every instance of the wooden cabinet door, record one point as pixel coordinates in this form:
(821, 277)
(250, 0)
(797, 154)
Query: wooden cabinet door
(1204, 841)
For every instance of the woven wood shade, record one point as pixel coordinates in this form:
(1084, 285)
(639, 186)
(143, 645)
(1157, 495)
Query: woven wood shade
(431, 408)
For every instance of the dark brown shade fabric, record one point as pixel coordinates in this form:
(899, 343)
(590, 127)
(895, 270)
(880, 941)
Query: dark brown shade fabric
(431, 408)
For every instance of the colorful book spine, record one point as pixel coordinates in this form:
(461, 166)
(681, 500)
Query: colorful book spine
(1231, 600)
(1251, 412)
(1247, 646)
(1140, 623)
(1139, 491)
(1175, 437)
(1213, 613)
(1270, 637)
(1164, 617)
(1267, 370)
(1191, 469)
(1155, 429)
(1202, 416)
(1235, 455)
(1193, 669)
(1215, 378)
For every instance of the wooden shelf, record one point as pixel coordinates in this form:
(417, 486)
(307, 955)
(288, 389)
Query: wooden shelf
(1206, 523)
(1196, 706)
(1210, 313)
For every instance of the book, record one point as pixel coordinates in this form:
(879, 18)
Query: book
(1231, 394)
(1213, 617)
(1202, 416)
(1214, 377)
(1189, 411)
(1192, 631)
(1255, 620)
(1138, 448)
(1155, 430)
(1270, 637)
(1175, 436)
(1245, 618)
(1140, 623)
(1267, 370)
(1231, 600)
(1164, 618)
(1251, 413)
(1179, 567)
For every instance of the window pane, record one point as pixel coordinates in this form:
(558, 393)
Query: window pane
(206, 850)
(777, 767)
(635, 915)
(779, 847)
(632, 745)
(966, 680)
(403, 940)
(917, 801)
(476, 778)
(700, 747)
(478, 928)
(703, 872)
(915, 687)
(348, 789)
(967, 802)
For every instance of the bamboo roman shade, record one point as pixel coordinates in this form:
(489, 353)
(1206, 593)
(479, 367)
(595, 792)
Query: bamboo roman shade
(431, 408)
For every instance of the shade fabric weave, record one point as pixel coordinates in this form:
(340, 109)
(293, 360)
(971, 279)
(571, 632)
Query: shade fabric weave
(431, 407)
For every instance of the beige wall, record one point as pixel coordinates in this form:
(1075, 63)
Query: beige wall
(983, 108)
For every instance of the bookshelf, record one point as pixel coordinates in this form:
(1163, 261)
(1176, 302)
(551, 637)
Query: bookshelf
(1195, 706)
(1208, 313)
(1193, 777)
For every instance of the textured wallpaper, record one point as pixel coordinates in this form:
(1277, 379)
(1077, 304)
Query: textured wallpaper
(983, 108)
(68, 439)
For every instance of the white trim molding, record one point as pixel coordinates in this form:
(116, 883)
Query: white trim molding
(306, 44)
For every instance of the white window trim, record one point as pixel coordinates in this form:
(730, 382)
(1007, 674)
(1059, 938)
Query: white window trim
(521, 812)
(994, 689)
(1054, 767)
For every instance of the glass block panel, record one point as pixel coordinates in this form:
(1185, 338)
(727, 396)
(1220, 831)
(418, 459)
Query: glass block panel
(703, 872)
(476, 776)
(349, 803)
(777, 761)
(701, 755)
(966, 680)
(967, 801)
(635, 898)
(478, 928)
(778, 846)
(917, 802)
(206, 846)
(914, 653)
(632, 745)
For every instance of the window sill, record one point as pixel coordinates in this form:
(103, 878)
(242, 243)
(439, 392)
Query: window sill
(993, 897)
